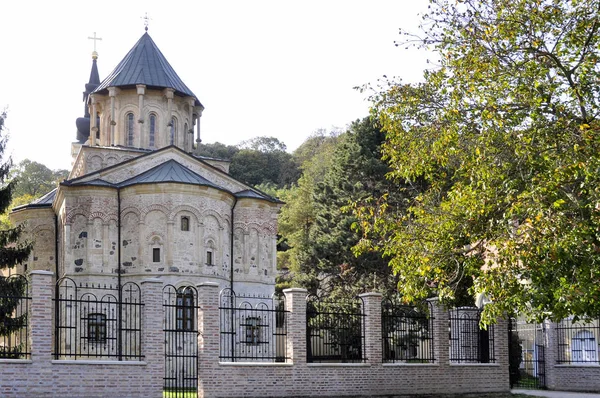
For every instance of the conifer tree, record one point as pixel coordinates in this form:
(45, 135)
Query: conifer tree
(12, 252)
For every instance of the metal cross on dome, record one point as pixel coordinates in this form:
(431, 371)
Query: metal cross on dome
(95, 38)
(146, 19)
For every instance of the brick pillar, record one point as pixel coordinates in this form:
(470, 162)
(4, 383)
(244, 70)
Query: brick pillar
(295, 303)
(208, 339)
(40, 321)
(441, 344)
(372, 327)
(551, 354)
(153, 336)
(501, 349)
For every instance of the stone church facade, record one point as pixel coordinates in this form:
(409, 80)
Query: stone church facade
(140, 203)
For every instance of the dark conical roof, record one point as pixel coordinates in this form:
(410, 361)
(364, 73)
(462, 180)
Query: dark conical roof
(83, 123)
(145, 64)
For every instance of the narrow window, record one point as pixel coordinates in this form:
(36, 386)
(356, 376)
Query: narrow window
(130, 129)
(156, 255)
(185, 136)
(152, 131)
(173, 130)
(185, 223)
(97, 328)
(209, 258)
(98, 126)
(184, 316)
(252, 330)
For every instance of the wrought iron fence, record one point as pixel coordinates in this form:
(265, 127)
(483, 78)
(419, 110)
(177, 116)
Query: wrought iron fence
(97, 321)
(526, 354)
(181, 341)
(468, 342)
(578, 341)
(14, 317)
(407, 332)
(253, 328)
(335, 330)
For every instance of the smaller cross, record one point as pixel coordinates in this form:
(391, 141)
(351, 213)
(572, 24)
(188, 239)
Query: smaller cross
(95, 40)
(146, 19)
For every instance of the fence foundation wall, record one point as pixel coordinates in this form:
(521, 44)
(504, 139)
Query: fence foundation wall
(44, 377)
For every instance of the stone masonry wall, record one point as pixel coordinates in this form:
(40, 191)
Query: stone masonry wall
(372, 378)
(568, 377)
(44, 377)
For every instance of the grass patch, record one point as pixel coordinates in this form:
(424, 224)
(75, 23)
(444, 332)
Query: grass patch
(180, 394)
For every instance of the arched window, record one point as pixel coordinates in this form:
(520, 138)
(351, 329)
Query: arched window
(129, 128)
(583, 347)
(173, 131)
(185, 223)
(151, 130)
(185, 309)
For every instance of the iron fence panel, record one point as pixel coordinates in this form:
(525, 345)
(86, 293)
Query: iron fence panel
(469, 343)
(15, 303)
(335, 330)
(252, 328)
(407, 332)
(181, 341)
(97, 321)
(578, 341)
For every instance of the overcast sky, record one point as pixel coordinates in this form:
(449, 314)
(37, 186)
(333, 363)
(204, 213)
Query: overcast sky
(261, 68)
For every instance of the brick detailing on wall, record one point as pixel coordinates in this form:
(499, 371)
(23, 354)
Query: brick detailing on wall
(372, 327)
(45, 377)
(567, 377)
(153, 338)
(208, 339)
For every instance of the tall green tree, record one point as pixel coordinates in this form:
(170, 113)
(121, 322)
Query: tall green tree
(505, 135)
(35, 179)
(297, 217)
(12, 252)
(356, 173)
(264, 160)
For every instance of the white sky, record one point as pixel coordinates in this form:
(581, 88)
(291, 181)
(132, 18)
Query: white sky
(277, 68)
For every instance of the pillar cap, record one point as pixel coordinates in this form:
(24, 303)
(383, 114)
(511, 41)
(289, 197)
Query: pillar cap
(207, 284)
(371, 294)
(295, 290)
(41, 272)
(152, 280)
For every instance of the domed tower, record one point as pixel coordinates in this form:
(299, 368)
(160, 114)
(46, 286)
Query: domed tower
(143, 104)
(83, 123)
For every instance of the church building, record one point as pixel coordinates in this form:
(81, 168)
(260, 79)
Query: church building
(140, 202)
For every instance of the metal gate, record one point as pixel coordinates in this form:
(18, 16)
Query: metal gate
(181, 341)
(526, 354)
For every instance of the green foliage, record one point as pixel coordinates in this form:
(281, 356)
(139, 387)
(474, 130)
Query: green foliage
(217, 150)
(264, 160)
(503, 140)
(297, 217)
(35, 179)
(354, 172)
(12, 252)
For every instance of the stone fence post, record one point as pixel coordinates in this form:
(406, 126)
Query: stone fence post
(208, 339)
(40, 320)
(372, 327)
(295, 304)
(153, 337)
(550, 354)
(441, 344)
